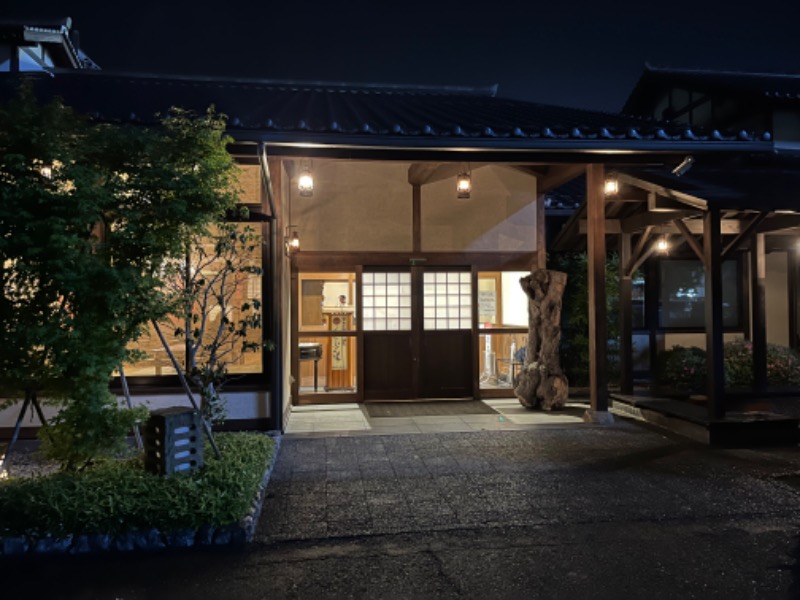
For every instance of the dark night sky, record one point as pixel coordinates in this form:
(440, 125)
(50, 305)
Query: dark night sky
(584, 54)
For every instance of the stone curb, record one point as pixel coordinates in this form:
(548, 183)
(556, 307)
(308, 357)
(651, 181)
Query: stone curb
(234, 534)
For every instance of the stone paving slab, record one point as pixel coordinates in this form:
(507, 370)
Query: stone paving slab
(340, 486)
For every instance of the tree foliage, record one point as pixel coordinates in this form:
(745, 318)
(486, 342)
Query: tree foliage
(575, 315)
(89, 213)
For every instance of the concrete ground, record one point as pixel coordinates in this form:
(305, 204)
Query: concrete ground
(570, 511)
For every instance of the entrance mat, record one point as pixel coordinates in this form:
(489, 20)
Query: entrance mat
(442, 408)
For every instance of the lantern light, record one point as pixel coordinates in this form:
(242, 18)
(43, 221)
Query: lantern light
(292, 241)
(305, 183)
(464, 185)
(611, 187)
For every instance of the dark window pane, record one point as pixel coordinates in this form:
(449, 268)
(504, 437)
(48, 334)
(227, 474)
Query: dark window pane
(682, 294)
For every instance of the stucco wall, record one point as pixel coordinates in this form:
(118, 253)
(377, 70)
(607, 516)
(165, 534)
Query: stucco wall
(356, 206)
(500, 214)
(241, 405)
(777, 299)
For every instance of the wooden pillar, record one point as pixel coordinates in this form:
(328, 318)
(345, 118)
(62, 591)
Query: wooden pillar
(712, 252)
(625, 316)
(596, 244)
(416, 218)
(758, 283)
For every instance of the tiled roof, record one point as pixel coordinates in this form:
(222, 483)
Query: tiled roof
(378, 115)
(777, 86)
(55, 33)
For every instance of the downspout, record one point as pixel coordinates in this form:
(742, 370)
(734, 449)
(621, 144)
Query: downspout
(276, 387)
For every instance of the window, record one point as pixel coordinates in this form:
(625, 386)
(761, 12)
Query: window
(387, 301)
(241, 290)
(447, 301)
(682, 294)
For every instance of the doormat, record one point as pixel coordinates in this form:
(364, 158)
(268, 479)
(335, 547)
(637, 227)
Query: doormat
(444, 408)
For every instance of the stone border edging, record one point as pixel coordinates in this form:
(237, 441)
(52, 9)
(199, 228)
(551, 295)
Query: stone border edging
(151, 539)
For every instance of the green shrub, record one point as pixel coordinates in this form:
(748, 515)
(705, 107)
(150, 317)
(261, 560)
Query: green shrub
(574, 346)
(683, 370)
(118, 496)
(86, 431)
(783, 366)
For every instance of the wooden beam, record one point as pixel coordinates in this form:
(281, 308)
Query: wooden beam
(558, 175)
(630, 266)
(682, 197)
(694, 226)
(423, 173)
(647, 253)
(749, 229)
(416, 216)
(690, 239)
(596, 243)
(715, 371)
(656, 203)
(641, 220)
(780, 223)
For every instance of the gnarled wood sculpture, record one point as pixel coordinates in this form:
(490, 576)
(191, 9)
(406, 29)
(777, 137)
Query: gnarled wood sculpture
(541, 382)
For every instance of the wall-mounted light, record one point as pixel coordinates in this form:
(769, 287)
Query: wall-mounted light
(305, 182)
(291, 240)
(662, 245)
(611, 186)
(464, 185)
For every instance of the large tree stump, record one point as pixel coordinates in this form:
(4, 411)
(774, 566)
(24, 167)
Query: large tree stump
(542, 383)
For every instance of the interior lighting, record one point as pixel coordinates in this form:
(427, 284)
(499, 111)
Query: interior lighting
(611, 187)
(662, 245)
(464, 185)
(292, 241)
(305, 183)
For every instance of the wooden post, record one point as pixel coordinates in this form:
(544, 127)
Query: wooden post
(758, 277)
(625, 317)
(416, 217)
(598, 338)
(712, 251)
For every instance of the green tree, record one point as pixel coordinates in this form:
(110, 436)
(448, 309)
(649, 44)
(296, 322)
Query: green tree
(89, 213)
(575, 315)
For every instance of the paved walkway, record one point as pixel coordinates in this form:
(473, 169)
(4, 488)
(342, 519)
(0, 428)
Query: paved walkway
(571, 511)
(352, 419)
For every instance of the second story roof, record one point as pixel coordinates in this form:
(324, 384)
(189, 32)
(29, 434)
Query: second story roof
(743, 85)
(376, 114)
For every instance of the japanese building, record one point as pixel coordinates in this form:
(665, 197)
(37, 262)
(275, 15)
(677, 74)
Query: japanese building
(395, 223)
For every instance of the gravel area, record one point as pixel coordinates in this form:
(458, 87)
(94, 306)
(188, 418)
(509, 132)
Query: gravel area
(24, 460)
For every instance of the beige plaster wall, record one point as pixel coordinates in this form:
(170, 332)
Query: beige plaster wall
(250, 184)
(500, 215)
(356, 206)
(777, 298)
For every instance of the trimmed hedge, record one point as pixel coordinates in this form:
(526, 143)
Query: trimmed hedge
(114, 497)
